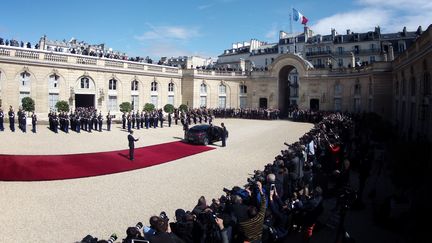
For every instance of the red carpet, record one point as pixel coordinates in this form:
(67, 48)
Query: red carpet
(57, 167)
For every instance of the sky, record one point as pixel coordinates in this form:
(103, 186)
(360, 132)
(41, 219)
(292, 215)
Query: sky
(198, 27)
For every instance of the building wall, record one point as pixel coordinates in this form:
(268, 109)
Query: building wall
(412, 105)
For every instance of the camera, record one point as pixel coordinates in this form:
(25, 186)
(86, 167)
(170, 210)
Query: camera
(139, 225)
(112, 238)
(163, 216)
(272, 187)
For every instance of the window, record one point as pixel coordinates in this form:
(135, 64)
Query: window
(357, 105)
(222, 101)
(401, 46)
(53, 81)
(134, 85)
(266, 61)
(357, 88)
(338, 89)
(203, 101)
(372, 46)
(25, 79)
(337, 104)
(340, 62)
(427, 83)
(154, 86)
(340, 50)
(135, 102)
(243, 102)
(222, 89)
(356, 49)
(171, 87)
(372, 59)
(112, 103)
(52, 101)
(154, 100)
(171, 99)
(85, 83)
(112, 85)
(281, 50)
(243, 89)
(203, 88)
(413, 86)
(397, 87)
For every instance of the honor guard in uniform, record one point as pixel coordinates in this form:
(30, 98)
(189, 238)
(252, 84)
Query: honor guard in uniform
(161, 119)
(78, 122)
(129, 122)
(155, 119)
(138, 120)
(55, 123)
(108, 117)
(142, 119)
(146, 120)
(66, 122)
(133, 119)
(1, 120)
(100, 121)
(89, 122)
(11, 115)
(23, 121)
(34, 122)
(176, 116)
(169, 119)
(124, 120)
(95, 121)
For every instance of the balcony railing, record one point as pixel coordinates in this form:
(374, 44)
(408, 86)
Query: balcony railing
(318, 53)
(41, 56)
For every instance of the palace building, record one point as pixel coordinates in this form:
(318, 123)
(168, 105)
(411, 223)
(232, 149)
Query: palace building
(388, 74)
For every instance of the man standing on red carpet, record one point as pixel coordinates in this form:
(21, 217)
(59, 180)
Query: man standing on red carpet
(132, 141)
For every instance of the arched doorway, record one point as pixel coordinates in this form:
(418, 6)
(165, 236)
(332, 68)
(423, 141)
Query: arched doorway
(286, 86)
(289, 69)
(85, 96)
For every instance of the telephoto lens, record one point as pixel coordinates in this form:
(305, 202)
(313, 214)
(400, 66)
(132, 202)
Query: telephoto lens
(112, 238)
(139, 225)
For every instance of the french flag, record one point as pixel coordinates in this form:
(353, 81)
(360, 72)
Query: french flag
(297, 16)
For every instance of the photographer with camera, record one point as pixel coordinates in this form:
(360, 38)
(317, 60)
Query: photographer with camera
(253, 227)
(133, 233)
(163, 232)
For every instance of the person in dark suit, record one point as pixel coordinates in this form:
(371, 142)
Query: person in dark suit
(223, 135)
(1, 120)
(109, 118)
(132, 141)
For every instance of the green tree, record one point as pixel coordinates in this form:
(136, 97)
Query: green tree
(28, 104)
(125, 107)
(149, 107)
(183, 107)
(168, 108)
(62, 105)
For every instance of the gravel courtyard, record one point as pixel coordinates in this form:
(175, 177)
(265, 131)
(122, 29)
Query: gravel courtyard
(68, 210)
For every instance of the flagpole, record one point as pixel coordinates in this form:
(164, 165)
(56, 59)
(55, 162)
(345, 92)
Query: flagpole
(291, 28)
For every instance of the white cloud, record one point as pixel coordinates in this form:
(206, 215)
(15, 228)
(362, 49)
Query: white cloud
(392, 16)
(169, 32)
(411, 5)
(357, 21)
(206, 6)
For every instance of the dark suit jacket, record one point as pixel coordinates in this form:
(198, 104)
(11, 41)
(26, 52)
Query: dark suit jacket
(132, 141)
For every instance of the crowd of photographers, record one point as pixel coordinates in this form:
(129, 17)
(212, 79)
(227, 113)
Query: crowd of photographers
(247, 113)
(285, 198)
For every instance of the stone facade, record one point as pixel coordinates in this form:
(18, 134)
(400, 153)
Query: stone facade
(46, 76)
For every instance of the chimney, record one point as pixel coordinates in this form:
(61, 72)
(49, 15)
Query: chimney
(306, 33)
(404, 31)
(391, 54)
(378, 30)
(348, 32)
(333, 33)
(419, 30)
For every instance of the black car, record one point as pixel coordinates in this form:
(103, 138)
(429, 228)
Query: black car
(204, 134)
